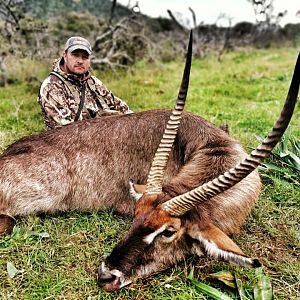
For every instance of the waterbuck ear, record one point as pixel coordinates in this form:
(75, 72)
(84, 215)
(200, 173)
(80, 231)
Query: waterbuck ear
(215, 243)
(136, 191)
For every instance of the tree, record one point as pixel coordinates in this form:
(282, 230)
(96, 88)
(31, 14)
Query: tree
(20, 29)
(11, 13)
(264, 12)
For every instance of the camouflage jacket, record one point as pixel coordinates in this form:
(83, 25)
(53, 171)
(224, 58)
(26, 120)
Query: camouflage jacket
(59, 97)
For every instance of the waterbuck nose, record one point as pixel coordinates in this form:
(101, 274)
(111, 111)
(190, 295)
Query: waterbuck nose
(105, 276)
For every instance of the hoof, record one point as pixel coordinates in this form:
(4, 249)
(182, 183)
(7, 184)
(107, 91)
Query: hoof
(7, 224)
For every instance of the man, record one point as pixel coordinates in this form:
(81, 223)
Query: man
(70, 93)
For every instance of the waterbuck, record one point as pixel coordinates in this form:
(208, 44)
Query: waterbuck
(200, 186)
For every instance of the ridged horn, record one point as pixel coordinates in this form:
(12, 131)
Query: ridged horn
(156, 173)
(181, 204)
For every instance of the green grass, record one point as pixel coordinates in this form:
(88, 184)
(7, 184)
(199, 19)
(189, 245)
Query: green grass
(246, 90)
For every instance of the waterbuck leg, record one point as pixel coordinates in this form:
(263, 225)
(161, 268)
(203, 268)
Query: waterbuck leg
(7, 224)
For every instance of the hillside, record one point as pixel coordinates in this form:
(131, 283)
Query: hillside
(52, 8)
(38, 29)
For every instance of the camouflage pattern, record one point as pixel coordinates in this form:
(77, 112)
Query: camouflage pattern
(59, 98)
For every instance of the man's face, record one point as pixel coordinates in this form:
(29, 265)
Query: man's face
(77, 62)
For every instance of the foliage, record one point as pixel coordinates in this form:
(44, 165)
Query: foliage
(83, 24)
(30, 25)
(284, 161)
(121, 45)
(261, 288)
(51, 8)
(206, 289)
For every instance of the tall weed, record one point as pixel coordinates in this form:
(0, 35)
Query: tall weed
(284, 161)
(25, 70)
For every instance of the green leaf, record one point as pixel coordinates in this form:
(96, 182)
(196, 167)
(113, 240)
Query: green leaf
(240, 289)
(295, 146)
(284, 160)
(224, 276)
(295, 160)
(11, 270)
(262, 288)
(191, 275)
(207, 290)
(270, 166)
(39, 234)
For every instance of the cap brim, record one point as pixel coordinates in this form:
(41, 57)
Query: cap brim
(81, 47)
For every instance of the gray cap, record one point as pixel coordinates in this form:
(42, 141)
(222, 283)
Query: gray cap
(77, 42)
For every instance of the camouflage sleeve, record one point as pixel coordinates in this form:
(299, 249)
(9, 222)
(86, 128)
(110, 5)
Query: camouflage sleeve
(113, 102)
(54, 103)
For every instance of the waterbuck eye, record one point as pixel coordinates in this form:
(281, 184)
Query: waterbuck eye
(168, 232)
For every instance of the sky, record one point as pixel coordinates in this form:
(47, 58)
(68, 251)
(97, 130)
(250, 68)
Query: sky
(208, 11)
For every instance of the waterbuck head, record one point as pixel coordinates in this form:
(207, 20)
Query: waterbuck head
(165, 230)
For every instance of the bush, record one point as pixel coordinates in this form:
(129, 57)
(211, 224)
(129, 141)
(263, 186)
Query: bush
(284, 162)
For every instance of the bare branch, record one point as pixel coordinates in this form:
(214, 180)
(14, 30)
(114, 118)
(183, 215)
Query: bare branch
(112, 10)
(194, 17)
(175, 20)
(226, 43)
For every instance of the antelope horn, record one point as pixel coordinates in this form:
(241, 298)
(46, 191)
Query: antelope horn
(156, 173)
(179, 205)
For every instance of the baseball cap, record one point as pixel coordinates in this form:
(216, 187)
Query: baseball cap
(77, 42)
